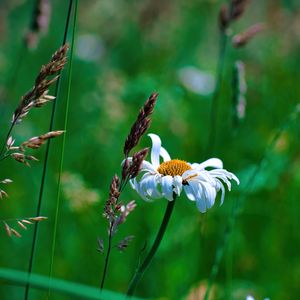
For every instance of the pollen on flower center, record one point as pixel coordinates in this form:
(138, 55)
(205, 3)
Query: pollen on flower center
(173, 167)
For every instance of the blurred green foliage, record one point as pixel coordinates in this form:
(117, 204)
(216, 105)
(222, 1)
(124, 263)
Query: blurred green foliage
(124, 50)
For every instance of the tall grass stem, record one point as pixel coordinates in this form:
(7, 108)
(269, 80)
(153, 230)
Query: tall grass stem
(58, 202)
(45, 165)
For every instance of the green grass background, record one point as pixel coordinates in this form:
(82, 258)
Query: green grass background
(142, 45)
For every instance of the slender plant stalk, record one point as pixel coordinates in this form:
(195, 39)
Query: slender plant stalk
(110, 236)
(215, 97)
(2, 154)
(142, 268)
(45, 165)
(241, 200)
(107, 256)
(63, 145)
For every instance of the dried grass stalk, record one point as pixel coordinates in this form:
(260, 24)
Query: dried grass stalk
(38, 141)
(141, 124)
(38, 95)
(230, 14)
(21, 223)
(111, 203)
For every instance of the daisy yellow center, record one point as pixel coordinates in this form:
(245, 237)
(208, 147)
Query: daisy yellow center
(173, 167)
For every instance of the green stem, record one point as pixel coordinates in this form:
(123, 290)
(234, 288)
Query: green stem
(142, 268)
(107, 256)
(45, 165)
(62, 154)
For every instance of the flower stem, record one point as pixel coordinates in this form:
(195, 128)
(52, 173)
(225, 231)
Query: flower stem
(142, 268)
(107, 256)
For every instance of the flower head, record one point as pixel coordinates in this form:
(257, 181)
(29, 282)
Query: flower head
(162, 179)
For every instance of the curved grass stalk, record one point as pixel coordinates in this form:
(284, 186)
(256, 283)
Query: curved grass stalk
(143, 267)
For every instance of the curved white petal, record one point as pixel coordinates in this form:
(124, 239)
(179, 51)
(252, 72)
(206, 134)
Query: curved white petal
(189, 192)
(189, 174)
(221, 187)
(210, 194)
(146, 166)
(223, 175)
(205, 176)
(136, 186)
(212, 162)
(177, 184)
(167, 187)
(164, 154)
(201, 205)
(148, 186)
(155, 151)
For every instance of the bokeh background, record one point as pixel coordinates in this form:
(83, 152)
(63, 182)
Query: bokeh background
(124, 50)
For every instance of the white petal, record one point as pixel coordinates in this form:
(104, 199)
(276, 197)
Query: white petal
(212, 162)
(193, 190)
(210, 194)
(167, 187)
(177, 184)
(189, 192)
(201, 205)
(148, 186)
(155, 151)
(147, 166)
(164, 154)
(136, 186)
(190, 174)
(205, 176)
(222, 192)
(223, 175)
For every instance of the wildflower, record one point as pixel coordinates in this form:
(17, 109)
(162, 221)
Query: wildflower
(161, 180)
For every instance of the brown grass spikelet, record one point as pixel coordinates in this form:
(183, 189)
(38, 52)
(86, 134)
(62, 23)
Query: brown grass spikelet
(38, 219)
(22, 225)
(141, 124)
(243, 38)
(137, 160)
(6, 181)
(22, 158)
(125, 168)
(123, 212)
(237, 8)
(38, 141)
(38, 95)
(231, 13)
(15, 232)
(7, 228)
(3, 193)
(111, 203)
(224, 18)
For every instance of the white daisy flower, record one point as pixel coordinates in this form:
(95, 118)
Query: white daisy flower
(161, 180)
